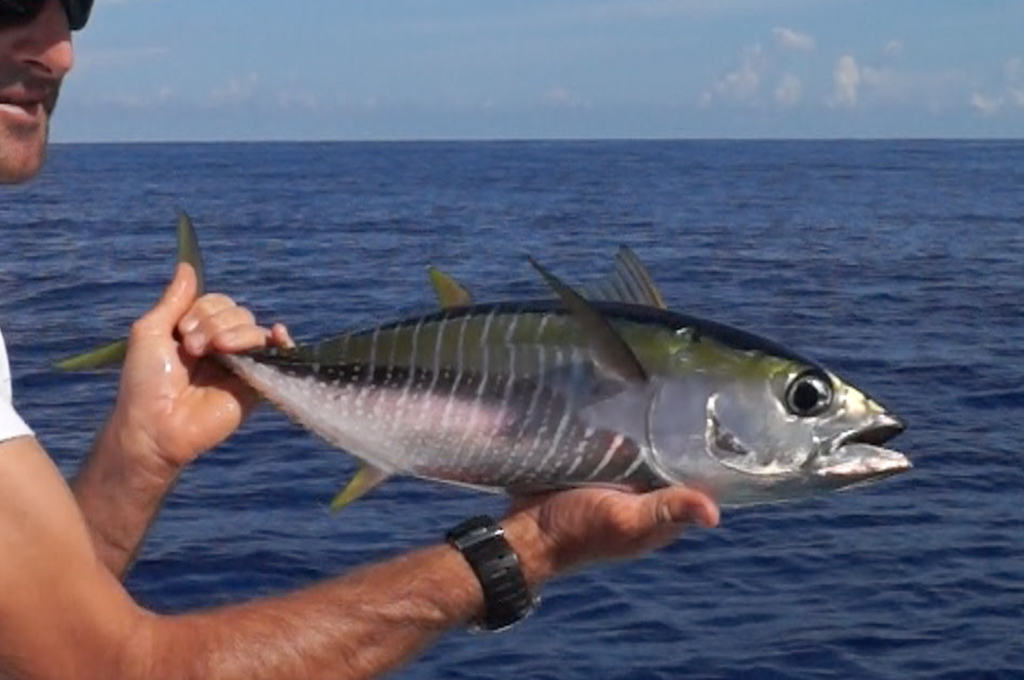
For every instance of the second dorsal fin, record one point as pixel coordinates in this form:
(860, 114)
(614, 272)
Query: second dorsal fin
(629, 282)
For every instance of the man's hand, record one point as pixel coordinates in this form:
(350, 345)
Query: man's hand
(559, 532)
(174, 403)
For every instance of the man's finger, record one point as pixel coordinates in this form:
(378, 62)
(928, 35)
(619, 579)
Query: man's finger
(677, 505)
(281, 337)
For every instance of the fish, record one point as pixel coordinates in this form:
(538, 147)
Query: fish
(600, 385)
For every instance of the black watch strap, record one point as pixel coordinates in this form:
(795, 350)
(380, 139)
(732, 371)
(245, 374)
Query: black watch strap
(507, 600)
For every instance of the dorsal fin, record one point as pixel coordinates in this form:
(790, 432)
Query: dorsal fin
(610, 350)
(449, 292)
(629, 282)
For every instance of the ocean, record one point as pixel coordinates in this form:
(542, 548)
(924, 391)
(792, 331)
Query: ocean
(898, 264)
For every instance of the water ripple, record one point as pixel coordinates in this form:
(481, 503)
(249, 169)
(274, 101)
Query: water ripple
(895, 263)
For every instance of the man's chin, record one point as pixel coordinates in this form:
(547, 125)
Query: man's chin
(21, 159)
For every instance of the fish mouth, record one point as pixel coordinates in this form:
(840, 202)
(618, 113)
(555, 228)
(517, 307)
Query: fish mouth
(859, 454)
(877, 432)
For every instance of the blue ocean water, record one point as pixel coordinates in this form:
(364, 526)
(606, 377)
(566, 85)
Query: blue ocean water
(897, 264)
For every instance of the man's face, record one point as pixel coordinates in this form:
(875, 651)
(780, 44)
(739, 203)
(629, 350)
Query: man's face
(34, 58)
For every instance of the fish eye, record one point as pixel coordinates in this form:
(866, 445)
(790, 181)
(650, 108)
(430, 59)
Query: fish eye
(810, 394)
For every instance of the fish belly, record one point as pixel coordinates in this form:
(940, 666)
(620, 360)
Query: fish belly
(497, 432)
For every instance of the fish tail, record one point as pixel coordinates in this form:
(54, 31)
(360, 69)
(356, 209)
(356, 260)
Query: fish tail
(112, 354)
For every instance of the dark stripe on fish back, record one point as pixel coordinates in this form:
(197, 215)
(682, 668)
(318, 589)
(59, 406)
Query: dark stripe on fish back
(544, 321)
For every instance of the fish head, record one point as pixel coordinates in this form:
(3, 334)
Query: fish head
(769, 429)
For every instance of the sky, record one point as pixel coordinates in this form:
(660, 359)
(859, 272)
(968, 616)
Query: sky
(220, 70)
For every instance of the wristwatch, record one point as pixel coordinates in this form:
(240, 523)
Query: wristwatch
(507, 600)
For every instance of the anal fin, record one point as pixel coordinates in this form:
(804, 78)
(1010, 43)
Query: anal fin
(363, 481)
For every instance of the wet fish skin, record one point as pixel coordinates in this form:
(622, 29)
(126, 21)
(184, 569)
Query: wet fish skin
(478, 396)
(509, 397)
(607, 387)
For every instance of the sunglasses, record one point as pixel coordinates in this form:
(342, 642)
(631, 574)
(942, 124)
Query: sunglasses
(20, 12)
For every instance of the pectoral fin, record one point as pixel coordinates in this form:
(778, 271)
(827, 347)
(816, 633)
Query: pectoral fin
(365, 479)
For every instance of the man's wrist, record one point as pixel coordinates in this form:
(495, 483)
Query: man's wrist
(136, 455)
(537, 555)
(119, 489)
(507, 598)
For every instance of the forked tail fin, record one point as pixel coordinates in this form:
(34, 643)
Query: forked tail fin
(113, 354)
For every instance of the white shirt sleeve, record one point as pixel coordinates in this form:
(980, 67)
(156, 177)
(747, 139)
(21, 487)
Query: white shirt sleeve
(11, 424)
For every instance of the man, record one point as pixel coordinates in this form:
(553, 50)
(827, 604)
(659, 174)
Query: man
(63, 611)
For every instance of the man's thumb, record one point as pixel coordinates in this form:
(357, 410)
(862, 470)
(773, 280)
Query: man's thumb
(175, 302)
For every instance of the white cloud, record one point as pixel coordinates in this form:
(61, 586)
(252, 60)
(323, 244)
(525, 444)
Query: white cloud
(876, 77)
(135, 101)
(1016, 96)
(985, 105)
(845, 81)
(616, 11)
(91, 59)
(893, 48)
(289, 100)
(1013, 69)
(1011, 95)
(561, 98)
(788, 39)
(933, 90)
(788, 91)
(742, 83)
(234, 91)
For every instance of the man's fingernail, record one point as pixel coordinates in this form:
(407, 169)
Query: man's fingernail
(196, 342)
(664, 514)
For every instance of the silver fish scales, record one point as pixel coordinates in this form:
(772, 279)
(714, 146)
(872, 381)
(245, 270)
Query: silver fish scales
(602, 385)
(494, 396)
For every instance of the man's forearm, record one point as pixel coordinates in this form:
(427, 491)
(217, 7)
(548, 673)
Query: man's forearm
(63, 613)
(358, 626)
(119, 491)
